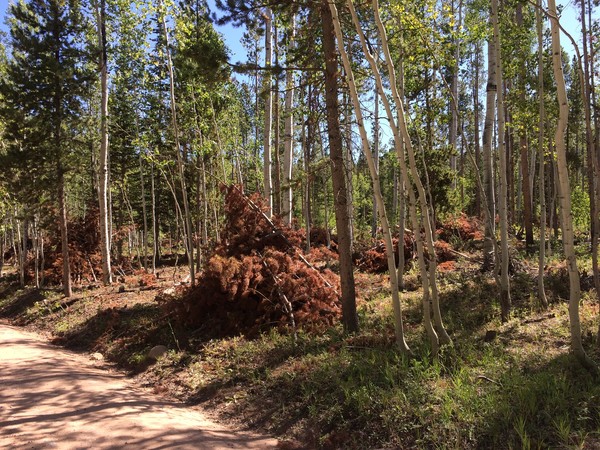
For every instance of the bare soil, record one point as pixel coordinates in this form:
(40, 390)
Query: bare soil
(54, 398)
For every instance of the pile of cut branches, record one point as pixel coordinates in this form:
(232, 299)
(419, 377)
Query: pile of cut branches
(374, 260)
(84, 251)
(461, 229)
(257, 278)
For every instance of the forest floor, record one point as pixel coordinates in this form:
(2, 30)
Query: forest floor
(501, 385)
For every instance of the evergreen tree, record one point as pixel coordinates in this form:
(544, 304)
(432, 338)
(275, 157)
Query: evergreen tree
(45, 82)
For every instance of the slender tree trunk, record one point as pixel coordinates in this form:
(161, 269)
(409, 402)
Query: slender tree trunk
(276, 169)
(64, 237)
(268, 92)
(349, 164)
(488, 161)
(476, 63)
(340, 188)
(524, 149)
(401, 229)
(565, 194)
(36, 250)
(306, 143)
(402, 183)
(288, 155)
(541, 125)
(205, 204)
(380, 207)
(16, 246)
(454, 88)
(145, 214)
(375, 160)
(155, 243)
(513, 190)
(503, 207)
(103, 159)
(22, 251)
(186, 215)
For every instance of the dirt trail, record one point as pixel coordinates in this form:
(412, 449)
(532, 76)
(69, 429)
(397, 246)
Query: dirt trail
(53, 398)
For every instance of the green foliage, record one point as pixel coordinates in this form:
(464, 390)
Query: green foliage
(460, 198)
(43, 90)
(580, 208)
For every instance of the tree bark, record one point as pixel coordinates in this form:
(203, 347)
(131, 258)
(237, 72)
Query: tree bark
(524, 148)
(336, 154)
(541, 125)
(288, 138)
(403, 141)
(565, 194)
(268, 92)
(503, 198)
(276, 167)
(373, 170)
(375, 212)
(488, 161)
(476, 63)
(155, 243)
(186, 215)
(454, 89)
(103, 157)
(64, 237)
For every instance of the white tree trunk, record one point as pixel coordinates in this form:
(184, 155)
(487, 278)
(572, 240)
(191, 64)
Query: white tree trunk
(288, 138)
(503, 198)
(564, 195)
(402, 141)
(103, 159)
(268, 91)
(542, 189)
(399, 328)
(186, 217)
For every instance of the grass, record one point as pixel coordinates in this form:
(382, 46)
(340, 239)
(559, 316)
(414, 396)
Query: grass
(519, 390)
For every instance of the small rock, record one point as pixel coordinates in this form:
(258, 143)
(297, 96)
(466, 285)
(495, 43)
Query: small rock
(97, 356)
(169, 291)
(121, 289)
(490, 335)
(157, 351)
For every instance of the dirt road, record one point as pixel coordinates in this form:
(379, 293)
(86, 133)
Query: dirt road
(53, 398)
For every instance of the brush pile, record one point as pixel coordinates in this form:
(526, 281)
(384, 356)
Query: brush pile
(85, 258)
(256, 278)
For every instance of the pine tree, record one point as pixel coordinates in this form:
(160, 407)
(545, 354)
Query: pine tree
(45, 82)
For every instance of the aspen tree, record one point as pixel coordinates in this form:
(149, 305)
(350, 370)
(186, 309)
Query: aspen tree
(524, 147)
(103, 158)
(289, 132)
(541, 125)
(400, 130)
(268, 92)
(592, 156)
(401, 136)
(564, 195)
(338, 172)
(387, 236)
(503, 197)
(186, 217)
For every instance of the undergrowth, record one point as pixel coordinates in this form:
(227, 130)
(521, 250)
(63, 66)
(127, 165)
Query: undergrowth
(501, 386)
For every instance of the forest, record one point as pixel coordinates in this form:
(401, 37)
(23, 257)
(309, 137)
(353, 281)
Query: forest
(378, 230)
